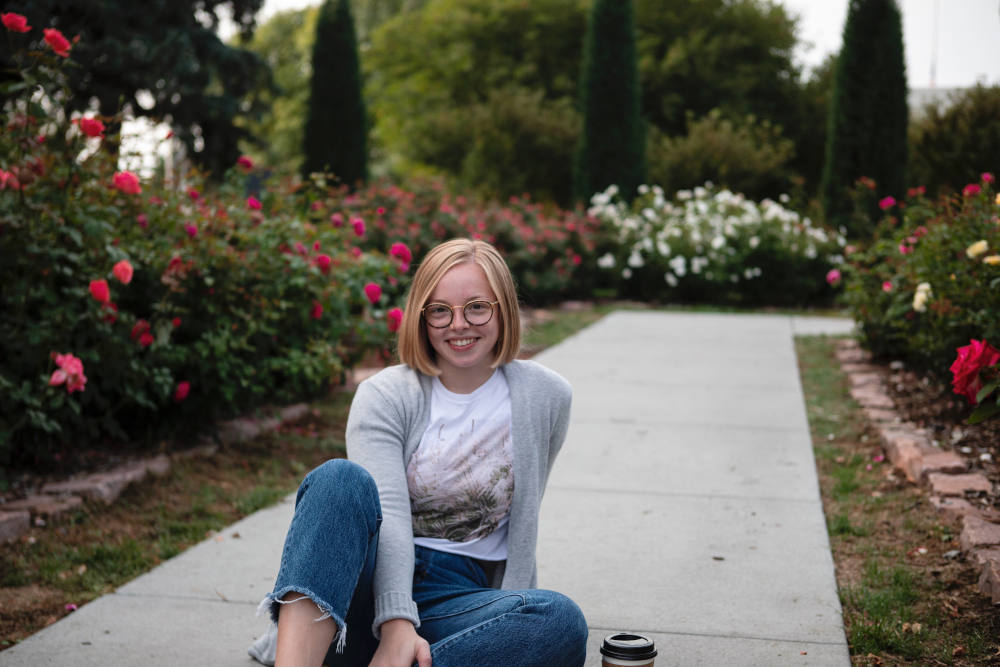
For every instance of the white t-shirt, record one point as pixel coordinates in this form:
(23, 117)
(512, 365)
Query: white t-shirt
(461, 477)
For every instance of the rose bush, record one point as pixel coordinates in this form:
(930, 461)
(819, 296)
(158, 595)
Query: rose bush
(928, 281)
(714, 246)
(134, 310)
(549, 250)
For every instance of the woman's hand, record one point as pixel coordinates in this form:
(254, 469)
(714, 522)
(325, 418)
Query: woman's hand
(401, 646)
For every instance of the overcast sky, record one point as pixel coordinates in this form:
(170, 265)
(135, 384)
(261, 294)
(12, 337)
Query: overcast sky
(959, 39)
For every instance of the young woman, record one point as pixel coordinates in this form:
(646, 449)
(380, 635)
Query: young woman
(420, 548)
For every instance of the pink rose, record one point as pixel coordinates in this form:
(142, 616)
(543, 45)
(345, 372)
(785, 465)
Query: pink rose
(193, 194)
(356, 251)
(987, 177)
(323, 262)
(191, 230)
(253, 203)
(317, 310)
(127, 182)
(123, 272)
(971, 189)
(833, 276)
(373, 292)
(905, 249)
(401, 252)
(394, 318)
(57, 41)
(15, 22)
(916, 192)
(70, 371)
(245, 162)
(887, 286)
(142, 220)
(971, 359)
(99, 290)
(337, 220)
(886, 203)
(359, 226)
(182, 391)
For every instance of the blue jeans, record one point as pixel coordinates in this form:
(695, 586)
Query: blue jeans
(336, 521)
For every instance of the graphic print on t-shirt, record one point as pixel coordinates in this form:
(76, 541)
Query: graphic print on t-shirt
(461, 478)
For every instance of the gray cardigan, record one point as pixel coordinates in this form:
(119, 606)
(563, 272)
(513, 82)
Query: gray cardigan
(389, 415)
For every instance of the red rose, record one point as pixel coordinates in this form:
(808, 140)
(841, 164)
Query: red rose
(15, 22)
(146, 339)
(141, 327)
(123, 272)
(373, 292)
(92, 127)
(359, 226)
(245, 162)
(323, 262)
(182, 391)
(99, 290)
(176, 322)
(971, 359)
(317, 310)
(394, 318)
(253, 203)
(127, 182)
(57, 41)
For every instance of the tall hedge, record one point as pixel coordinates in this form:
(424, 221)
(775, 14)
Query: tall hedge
(335, 132)
(866, 125)
(611, 146)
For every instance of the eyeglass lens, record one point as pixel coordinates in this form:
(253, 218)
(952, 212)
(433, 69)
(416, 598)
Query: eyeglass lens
(475, 312)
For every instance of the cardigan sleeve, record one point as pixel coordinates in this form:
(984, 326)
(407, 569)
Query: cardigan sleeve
(376, 435)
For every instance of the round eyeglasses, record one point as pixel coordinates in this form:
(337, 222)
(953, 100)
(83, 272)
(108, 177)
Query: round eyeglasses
(476, 312)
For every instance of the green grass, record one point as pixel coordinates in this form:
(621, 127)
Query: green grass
(892, 594)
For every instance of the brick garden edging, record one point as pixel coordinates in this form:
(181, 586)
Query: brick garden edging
(54, 500)
(944, 474)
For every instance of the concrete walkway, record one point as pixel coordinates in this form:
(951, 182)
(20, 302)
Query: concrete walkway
(684, 506)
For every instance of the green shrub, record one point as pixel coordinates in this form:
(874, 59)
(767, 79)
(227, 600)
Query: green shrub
(749, 156)
(951, 246)
(951, 143)
(713, 246)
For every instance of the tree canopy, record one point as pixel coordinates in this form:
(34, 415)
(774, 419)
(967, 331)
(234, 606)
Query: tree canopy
(161, 59)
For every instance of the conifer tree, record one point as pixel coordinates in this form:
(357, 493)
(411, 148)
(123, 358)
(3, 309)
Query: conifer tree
(611, 148)
(867, 121)
(335, 132)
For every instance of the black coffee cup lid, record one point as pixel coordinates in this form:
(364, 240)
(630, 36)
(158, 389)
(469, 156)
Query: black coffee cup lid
(628, 646)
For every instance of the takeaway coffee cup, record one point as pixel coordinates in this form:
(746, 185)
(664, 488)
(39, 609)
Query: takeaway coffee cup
(625, 649)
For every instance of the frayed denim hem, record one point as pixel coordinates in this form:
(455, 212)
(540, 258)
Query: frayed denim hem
(270, 604)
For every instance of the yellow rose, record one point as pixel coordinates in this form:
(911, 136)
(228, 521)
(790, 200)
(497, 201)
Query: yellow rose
(992, 260)
(976, 249)
(998, 199)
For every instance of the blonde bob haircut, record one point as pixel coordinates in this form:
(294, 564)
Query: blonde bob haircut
(413, 346)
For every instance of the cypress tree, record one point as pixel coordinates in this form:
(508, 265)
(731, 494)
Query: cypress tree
(611, 148)
(867, 121)
(335, 131)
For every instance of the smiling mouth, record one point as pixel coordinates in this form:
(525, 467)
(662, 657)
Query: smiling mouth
(461, 343)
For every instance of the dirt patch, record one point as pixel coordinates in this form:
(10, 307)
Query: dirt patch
(26, 609)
